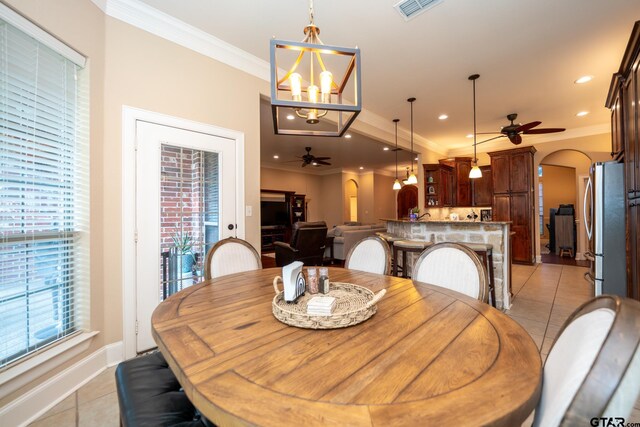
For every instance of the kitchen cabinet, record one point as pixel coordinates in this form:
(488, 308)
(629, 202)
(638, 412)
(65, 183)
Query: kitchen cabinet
(447, 184)
(482, 188)
(512, 182)
(623, 100)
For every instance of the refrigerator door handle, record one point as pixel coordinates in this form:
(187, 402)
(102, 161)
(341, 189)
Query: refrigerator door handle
(588, 222)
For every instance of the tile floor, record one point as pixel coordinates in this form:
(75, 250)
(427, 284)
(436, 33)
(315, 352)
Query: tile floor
(544, 296)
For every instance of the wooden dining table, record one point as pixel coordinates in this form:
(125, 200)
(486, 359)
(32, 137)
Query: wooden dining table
(428, 356)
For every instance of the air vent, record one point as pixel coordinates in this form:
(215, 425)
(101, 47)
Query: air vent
(409, 9)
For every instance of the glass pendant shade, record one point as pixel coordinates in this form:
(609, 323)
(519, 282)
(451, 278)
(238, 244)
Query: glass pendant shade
(412, 179)
(475, 172)
(396, 184)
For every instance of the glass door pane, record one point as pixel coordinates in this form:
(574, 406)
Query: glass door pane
(189, 215)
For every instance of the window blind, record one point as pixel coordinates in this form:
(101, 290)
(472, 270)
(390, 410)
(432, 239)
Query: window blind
(44, 247)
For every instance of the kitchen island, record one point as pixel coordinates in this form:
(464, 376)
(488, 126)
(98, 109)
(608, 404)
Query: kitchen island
(496, 233)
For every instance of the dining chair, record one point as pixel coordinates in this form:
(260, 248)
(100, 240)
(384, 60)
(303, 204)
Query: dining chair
(593, 367)
(452, 266)
(370, 254)
(230, 256)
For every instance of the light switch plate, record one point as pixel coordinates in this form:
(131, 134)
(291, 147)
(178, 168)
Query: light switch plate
(248, 210)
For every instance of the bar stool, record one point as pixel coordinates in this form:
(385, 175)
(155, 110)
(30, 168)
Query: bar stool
(485, 251)
(390, 239)
(404, 246)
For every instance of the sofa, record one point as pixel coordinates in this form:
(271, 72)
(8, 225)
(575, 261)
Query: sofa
(345, 236)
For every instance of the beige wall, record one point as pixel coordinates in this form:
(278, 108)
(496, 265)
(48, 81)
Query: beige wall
(558, 187)
(384, 197)
(365, 198)
(332, 199)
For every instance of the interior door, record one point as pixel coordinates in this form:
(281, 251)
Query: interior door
(185, 202)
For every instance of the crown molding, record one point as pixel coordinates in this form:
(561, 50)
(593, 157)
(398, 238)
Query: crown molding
(144, 17)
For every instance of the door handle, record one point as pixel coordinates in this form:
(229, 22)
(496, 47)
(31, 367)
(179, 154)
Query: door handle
(230, 226)
(588, 223)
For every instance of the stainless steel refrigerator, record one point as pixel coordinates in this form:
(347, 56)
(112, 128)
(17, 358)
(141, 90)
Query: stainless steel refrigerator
(604, 219)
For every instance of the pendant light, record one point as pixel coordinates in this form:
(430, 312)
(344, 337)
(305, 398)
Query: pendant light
(396, 183)
(475, 171)
(331, 97)
(412, 178)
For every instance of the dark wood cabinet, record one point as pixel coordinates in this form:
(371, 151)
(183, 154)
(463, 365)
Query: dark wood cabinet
(482, 188)
(512, 180)
(623, 100)
(447, 185)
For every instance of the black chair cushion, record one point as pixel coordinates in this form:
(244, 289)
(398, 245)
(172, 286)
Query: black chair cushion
(149, 394)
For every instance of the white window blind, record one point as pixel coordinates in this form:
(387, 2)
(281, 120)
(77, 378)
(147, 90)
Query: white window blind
(44, 247)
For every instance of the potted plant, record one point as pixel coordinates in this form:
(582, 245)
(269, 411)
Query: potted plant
(413, 213)
(183, 243)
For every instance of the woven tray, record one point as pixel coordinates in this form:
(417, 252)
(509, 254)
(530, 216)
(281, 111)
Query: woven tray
(354, 304)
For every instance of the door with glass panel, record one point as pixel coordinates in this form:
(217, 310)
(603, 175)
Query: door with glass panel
(185, 203)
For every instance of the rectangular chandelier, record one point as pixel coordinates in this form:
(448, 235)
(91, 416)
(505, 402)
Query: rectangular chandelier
(305, 98)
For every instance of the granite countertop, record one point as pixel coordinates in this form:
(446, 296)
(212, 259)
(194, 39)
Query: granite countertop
(447, 221)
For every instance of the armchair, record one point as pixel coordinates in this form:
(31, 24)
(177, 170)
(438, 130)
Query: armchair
(307, 244)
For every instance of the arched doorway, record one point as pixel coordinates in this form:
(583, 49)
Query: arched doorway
(564, 172)
(351, 200)
(407, 199)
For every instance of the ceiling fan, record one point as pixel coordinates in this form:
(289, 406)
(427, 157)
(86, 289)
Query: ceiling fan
(514, 131)
(310, 159)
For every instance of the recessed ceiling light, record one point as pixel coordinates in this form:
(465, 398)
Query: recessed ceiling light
(275, 156)
(443, 117)
(583, 79)
(582, 113)
(386, 148)
(416, 158)
(290, 117)
(361, 167)
(348, 136)
(469, 135)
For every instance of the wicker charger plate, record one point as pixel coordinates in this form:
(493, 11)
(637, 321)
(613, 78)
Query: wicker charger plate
(354, 304)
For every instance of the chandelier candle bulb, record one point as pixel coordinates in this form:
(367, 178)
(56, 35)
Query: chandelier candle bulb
(295, 80)
(326, 80)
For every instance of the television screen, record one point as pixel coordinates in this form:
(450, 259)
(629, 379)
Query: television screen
(274, 213)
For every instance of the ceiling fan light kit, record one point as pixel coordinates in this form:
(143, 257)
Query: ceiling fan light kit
(475, 171)
(288, 86)
(412, 179)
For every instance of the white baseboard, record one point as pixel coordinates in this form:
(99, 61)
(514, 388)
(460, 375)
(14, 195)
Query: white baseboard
(538, 259)
(31, 405)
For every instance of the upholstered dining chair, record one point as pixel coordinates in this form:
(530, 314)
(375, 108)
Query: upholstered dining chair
(370, 254)
(593, 367)
(452, 266)
(230, 256)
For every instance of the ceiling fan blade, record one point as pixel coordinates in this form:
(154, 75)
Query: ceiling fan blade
(545, 130)
(321, 158)
(516, 139)
(488, 133)
(525, 127)
(490, 139)
(304, 164)
(322, 162)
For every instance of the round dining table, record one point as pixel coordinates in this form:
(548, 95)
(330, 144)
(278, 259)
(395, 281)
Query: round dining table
(428, 356)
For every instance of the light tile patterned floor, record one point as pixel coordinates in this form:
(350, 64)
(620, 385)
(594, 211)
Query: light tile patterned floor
(545, 295)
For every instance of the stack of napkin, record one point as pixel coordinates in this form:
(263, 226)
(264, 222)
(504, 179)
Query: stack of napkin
(321, 306)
